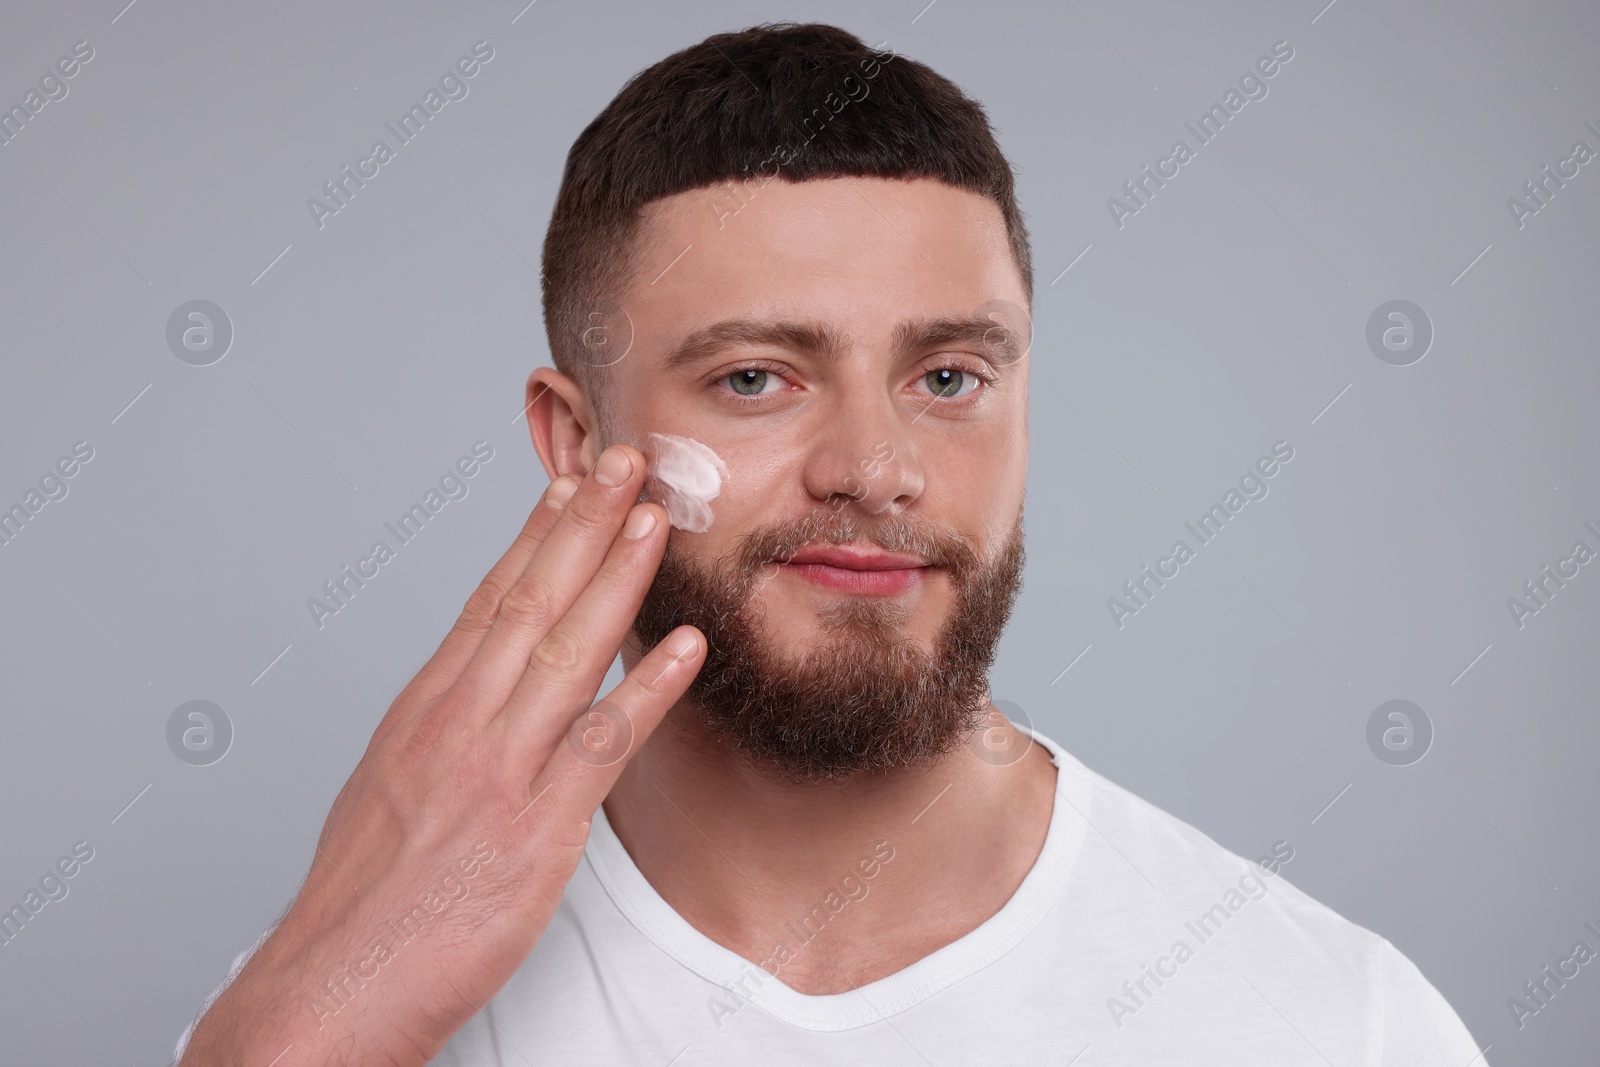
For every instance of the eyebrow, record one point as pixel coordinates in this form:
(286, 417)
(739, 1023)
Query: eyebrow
(822, 340)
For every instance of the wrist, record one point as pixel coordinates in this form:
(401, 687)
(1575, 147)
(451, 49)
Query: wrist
(304, 1002)
(267, 1015)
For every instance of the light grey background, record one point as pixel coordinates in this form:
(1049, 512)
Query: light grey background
(1228, 314)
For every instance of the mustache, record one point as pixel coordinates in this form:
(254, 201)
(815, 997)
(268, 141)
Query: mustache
(760, 551)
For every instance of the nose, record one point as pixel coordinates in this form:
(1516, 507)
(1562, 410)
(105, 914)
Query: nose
(866, 457)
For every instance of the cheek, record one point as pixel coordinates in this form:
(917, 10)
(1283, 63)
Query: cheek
(976, 486)
(763, 484)
(742, 510)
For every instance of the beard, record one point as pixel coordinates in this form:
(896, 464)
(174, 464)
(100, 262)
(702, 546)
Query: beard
(867, 697)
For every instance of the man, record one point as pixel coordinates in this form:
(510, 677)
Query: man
(785, 286)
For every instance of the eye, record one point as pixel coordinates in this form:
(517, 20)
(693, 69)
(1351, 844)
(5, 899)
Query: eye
(752, 381)
(949, 383)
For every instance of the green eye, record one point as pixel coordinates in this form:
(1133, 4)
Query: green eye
(945, 382)
(748, 382)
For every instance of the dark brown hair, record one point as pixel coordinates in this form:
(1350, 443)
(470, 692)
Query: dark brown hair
(779, 100)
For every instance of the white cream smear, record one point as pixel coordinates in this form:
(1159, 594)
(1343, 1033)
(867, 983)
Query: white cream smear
(691, 476)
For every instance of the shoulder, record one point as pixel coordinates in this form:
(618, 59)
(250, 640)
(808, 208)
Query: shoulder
(1173, 857)
(1244, 922)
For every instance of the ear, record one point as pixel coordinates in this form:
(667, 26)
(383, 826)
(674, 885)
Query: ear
(562, 424)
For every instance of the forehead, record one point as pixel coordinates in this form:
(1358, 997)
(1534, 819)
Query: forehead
(866, 253)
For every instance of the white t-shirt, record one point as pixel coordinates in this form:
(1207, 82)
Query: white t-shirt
(1133, 940)
(1224, 964)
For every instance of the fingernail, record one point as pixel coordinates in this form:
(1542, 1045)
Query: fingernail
(613, 468)
(683, 643)
(641, 520)
(561, 491)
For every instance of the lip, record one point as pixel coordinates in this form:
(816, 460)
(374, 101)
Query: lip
(858, 569)
(857, 558)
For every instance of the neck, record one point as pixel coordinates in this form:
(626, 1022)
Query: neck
(899, 862)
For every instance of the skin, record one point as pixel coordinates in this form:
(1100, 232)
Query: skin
(483, 749)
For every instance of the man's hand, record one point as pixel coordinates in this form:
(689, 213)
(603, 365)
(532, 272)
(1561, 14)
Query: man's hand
(446, 853)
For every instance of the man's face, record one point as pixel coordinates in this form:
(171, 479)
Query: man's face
(855, 351)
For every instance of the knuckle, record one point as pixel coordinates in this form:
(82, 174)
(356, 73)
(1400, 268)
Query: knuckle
(643, 685)
(588, 515)
(561, 651)
(645, 691)
(529, 604)
(481, 608)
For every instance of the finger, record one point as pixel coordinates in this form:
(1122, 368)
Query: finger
(483, 606)
(583, 767)
(568, 664)
(561, 568)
